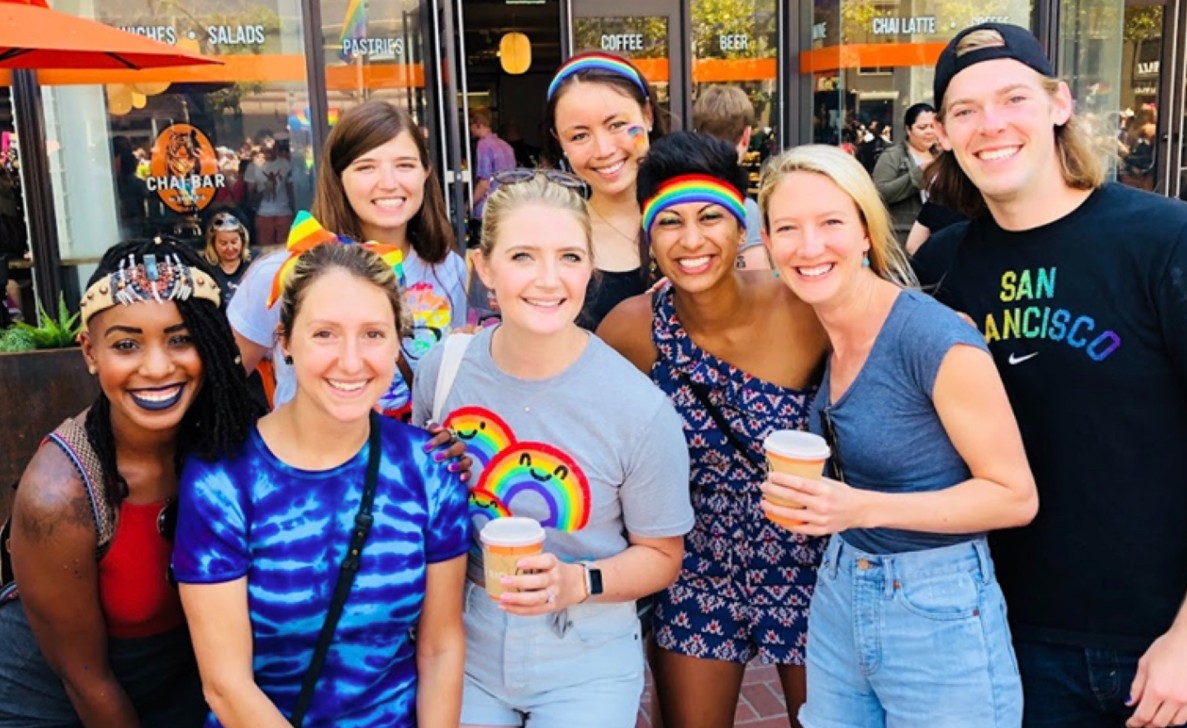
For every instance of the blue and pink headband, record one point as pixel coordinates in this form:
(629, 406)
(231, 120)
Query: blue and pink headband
(599, 62)
(693, 188)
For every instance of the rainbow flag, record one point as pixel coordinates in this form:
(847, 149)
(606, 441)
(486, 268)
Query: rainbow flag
(354, 25)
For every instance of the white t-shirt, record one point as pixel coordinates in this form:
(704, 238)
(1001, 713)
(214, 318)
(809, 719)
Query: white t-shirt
(435, 295)
(271, 180)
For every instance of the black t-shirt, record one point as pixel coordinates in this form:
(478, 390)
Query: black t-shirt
(606, 290)
(1086, 318)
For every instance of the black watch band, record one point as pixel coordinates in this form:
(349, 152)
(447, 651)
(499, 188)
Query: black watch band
(593, 579)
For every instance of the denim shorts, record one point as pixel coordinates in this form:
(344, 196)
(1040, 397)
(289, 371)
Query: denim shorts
(577, 668)
(910, 639)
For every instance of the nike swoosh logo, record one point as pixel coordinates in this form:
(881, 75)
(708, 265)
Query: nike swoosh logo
(1015, 359)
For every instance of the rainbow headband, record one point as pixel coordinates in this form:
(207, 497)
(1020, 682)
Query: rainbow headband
(159, 279)
(599, 62)
(306, 234)
(693, 188)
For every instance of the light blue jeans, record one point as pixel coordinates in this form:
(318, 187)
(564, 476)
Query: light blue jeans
(908, 640)
(579, 668)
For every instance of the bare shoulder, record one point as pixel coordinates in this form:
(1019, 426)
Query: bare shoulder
(51, 502)
(627, 329)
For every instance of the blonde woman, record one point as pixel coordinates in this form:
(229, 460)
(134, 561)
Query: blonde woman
(908, 624)
(226, 250)
(565, 431)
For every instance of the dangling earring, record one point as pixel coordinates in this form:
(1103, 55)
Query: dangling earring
(865, 259)
(92, 369)
(288, 359)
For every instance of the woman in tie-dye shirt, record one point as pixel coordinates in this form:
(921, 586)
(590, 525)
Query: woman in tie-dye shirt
(260, 537)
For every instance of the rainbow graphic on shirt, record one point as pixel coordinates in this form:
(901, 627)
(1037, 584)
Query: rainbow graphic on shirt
(484, 433)
(487, 503)
(540, 468)
(431, 318)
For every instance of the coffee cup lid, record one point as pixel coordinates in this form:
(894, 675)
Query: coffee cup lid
(512, 531)
(797, 444)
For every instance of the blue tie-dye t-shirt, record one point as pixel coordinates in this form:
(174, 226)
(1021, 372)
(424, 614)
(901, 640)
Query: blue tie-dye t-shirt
(287, 531)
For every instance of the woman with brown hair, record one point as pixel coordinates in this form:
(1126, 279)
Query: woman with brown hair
(374, 183)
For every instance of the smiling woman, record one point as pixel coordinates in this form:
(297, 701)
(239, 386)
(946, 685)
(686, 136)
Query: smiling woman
(103, 640)
(311, 475)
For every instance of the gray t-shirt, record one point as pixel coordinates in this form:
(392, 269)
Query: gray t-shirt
(593, 453)
(888, 433)
(753, 225)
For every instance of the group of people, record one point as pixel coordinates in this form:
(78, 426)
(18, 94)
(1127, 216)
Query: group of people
(327, 557)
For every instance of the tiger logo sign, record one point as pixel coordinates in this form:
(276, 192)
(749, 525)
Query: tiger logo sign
(184, 169)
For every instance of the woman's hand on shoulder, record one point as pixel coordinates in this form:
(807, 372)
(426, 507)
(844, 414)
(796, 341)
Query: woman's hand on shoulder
(445, 445)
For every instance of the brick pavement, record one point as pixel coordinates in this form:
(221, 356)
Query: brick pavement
(760, 705)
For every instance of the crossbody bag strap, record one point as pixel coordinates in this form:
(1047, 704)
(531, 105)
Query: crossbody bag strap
(346, 574)
(451, 361)
(701, 392)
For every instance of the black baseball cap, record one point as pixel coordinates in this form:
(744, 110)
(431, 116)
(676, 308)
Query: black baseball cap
(1020, 45)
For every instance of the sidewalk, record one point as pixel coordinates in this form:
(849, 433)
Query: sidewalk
(760, 706)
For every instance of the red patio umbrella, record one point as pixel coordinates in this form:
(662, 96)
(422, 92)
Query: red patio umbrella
(34, 36)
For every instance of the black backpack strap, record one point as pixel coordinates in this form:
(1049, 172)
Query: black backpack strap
(346, 574)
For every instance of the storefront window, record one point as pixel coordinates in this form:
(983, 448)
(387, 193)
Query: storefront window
(1092, 67)
(139, 153)
(736, 42)
(373, 50)
(871, 59)
(1136, 120)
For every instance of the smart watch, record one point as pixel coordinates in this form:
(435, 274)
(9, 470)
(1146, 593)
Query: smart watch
(593, 579)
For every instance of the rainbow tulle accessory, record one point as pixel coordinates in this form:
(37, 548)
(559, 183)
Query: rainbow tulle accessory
(307, 233)
(693, 188)
(598, 61)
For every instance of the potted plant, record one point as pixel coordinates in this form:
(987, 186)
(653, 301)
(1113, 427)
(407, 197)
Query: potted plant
(43, 380)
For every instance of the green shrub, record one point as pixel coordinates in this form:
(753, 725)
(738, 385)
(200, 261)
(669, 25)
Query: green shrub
(50, 333)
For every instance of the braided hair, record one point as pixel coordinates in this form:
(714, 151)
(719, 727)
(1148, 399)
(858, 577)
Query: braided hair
(223, 412)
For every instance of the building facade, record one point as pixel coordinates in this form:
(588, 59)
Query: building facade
(90, 157)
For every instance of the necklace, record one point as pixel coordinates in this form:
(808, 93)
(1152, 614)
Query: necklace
(631, 238)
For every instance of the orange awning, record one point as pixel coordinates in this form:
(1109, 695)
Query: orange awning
(870, 55)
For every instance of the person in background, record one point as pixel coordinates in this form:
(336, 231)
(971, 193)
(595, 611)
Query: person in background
(260, 536)
(725, 112)
(908, 624)
(898, 174)
(96, 636)
(226, 250)
(568, 433)
(602, 115)
(271, 185)
(1097, 372)
(374, 184)
(745, 583)
(491, 156)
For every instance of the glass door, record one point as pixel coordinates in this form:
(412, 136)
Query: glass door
(449, 135)
(648, 32)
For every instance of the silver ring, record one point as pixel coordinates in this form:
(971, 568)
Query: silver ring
(551, 596)
(452, 437)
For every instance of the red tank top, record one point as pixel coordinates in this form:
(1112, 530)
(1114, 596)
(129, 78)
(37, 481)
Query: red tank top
(134, 588)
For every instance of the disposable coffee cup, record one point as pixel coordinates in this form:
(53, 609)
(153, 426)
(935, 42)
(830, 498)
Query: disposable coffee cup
(796, 453)
(504, 542)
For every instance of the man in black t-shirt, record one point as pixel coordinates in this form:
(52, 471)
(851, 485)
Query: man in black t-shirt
(1080, 289)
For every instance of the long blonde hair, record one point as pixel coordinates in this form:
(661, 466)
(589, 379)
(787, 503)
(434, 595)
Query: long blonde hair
(887, 258)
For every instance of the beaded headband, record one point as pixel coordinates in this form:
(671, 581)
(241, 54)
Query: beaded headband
(600, 62)
(693, 188)
(307, 233)
(155, 279)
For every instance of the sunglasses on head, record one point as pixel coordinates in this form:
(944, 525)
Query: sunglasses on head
(556, 176)
(229, 222)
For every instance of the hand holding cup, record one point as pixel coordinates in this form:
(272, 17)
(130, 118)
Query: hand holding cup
(822, 505)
